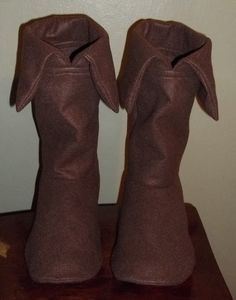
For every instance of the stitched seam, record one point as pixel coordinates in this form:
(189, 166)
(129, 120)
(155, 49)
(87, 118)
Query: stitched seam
(57, 43)
(72, 69)
(169, 76)
(75, 72)
(71, 73)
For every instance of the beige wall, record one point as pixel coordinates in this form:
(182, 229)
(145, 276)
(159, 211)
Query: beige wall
(209, 165)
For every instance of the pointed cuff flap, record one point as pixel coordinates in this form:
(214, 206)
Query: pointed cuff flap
(200, 61)
(103, 73)
(33, 57)
(136, 58)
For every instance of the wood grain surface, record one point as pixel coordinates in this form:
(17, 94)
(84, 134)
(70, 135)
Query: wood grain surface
(206, 283)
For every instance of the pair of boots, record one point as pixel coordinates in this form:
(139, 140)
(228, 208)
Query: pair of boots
(65, 68)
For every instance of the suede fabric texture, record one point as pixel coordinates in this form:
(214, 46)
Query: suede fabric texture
(65, 68)
(165, 65)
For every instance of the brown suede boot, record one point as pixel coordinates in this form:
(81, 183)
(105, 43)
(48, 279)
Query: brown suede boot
(66, 66)
(165, 65)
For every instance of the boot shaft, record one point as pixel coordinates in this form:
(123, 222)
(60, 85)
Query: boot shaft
(165, 65)
(66, 66)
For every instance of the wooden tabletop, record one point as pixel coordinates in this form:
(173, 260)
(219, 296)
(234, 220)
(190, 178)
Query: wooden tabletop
(206, 283)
